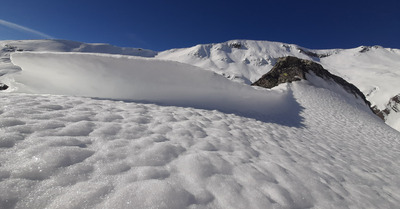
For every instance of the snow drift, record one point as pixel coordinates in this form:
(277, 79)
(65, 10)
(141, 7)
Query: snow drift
(145, 80)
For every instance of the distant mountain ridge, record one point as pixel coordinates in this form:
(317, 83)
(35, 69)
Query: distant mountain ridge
(374, 70)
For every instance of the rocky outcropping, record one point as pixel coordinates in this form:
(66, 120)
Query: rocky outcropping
(392, 106)
(289, 69)
(312, 54)
(3, 86)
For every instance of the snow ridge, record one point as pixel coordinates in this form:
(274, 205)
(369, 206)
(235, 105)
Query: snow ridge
(145, 80)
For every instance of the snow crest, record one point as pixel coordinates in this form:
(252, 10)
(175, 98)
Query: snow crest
(146, 80)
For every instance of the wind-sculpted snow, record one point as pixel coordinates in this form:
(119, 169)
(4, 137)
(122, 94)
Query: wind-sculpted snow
(74, 152)
(302, 145)
(146, 80)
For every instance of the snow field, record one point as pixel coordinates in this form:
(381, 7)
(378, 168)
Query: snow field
(9, 47)
(186, 138)
(139, 79)
(245, 64)
(374, 70)
(393, 121)
(73, 152)
(73, 46)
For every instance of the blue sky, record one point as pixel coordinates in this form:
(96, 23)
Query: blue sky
(162, 24)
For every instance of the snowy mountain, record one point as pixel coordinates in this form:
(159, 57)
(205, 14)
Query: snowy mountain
(291, 69)
(109, 130)
(374, 70)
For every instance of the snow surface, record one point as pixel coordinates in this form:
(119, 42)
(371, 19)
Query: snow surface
(169, 145)
(374, 70)
(244, 64)
(8, 47)
(392, 119)
(146, 80)
(73, 46)
(75, 152)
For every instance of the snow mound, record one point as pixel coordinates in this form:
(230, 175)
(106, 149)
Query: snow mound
(146, 80)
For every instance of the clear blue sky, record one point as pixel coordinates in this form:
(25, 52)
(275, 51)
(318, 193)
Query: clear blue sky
(166, 24)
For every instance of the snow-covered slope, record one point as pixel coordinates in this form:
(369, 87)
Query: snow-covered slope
(71, 46)
(175, 136)
(74, 152)
(374, 70)
(240, 60)
(8, 47)
(139, 79)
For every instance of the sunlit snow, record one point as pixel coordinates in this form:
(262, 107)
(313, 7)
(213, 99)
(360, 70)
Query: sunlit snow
(170, 135)
(73, 152)
(145, 80)
(374, 70)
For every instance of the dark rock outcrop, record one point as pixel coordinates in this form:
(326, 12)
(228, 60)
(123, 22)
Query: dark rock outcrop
(312, 54)
(235, 45)
(289, 69)
(392, 106)
(368, 48)
(3, 86)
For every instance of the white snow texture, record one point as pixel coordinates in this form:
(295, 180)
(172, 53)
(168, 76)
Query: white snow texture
(90, 130)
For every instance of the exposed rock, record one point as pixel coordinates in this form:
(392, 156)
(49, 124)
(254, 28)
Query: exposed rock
(3, 86)
(289, 69)
(364, 49)
(312, 54)
(392, 106)
(235, 45)
(367, 48)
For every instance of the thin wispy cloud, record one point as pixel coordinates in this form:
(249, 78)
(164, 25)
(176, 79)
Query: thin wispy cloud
(24, 29)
